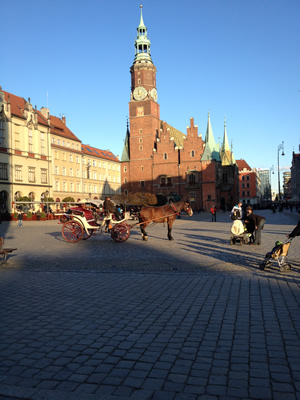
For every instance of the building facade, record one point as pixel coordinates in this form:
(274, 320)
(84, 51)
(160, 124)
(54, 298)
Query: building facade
(41, 158)
(157, 158)
(248, 183)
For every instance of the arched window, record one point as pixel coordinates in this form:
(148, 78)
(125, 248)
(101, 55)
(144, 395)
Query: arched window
(165, 156)
(193, 153)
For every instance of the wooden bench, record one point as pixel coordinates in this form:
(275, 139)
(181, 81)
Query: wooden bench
(4, 252)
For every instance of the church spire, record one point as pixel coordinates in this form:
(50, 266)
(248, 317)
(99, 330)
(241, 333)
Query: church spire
(226, 153)
(142, 43)
(126, 148)
(212, 149)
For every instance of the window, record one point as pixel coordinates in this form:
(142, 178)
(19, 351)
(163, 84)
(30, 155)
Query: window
(165, 156)
(2, 133)
(95, 189)
(243, 193)
(125, 180)
(71, 171)
(142, 183)
(58, 142)
(169, 181)
(31, 174)
(141, 131)
(248, 177)
(141, 148)
(52, 140)
(78, 173)
(140, 111)
(248, 193)
(94, 175)
(68, 144)
(141, 140)
(77, 160)
(78, 187)
(71, 157)
(64, 171)
(125, 169)
(71, 187)
(193, 153)
(103, 164)
(63, 142)
(44, 175)
(3, 171)
(109, 166)
(192, 179)
(99, 177)
(42, 143)
(243, 178)
(17, 141)
(56, 170)
(57, 185)
(94, 163)
(142, 168)
(56, 155)
(192, 197)
(243, 185)
(30, 140)
(64, 186)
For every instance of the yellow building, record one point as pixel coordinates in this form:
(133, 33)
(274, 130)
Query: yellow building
(40, 158)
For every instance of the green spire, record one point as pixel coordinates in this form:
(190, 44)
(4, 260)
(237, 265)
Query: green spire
(212, 149)
(142, 43)
(226, 153)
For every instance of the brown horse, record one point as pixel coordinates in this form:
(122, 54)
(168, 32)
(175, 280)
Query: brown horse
(165, 213)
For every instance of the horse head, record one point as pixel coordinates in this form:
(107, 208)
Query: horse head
(187, 208)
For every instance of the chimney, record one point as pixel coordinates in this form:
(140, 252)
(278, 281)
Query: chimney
(63, 118)
(45, 111)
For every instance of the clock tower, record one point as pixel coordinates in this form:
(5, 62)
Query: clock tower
(144, 113)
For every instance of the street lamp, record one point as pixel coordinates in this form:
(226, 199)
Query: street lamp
(280, 147)
(271, 172)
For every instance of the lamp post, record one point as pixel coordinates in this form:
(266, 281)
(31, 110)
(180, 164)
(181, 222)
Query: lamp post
(271, 172)
(280, 147)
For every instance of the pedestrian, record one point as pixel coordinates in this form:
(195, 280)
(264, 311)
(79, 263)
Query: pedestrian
(257, 221)
(250, 225)
(296, 230)
(236, 212)
(213, 212)
(20, 219)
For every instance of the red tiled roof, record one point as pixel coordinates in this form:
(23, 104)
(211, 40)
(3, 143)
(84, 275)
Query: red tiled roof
(92, 151)
(58, 127)
(242, 164)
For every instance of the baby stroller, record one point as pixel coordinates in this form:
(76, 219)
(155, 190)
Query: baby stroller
(238, 233)
(278, 253)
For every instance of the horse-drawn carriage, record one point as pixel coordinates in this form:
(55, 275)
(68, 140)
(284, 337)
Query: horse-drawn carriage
(80, 222)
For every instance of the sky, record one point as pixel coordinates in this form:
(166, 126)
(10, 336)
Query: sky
(235, 59)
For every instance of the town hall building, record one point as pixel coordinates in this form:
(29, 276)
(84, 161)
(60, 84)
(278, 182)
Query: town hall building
(157, 158)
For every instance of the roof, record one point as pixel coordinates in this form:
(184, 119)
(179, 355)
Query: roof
(58, 127)
(243, 165)
(177, 135)
(92, 151)
(18, 105)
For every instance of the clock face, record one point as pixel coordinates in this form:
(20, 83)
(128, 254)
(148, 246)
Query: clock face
(139, 93)
(154, 94)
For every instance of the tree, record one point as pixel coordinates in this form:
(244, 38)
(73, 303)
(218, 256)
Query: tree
(68, 200)
(142, 199)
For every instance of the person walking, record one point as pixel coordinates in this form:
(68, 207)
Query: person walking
(257, 221)
(20, 219)
(237, 212)
(213, 212)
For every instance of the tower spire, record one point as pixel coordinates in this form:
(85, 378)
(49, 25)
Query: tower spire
(142, 43)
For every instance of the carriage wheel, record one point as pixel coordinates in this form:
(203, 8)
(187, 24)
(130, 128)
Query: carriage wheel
(120, 232)
(87, 234)
(72, 231)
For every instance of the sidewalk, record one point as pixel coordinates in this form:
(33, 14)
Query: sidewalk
(194, 318)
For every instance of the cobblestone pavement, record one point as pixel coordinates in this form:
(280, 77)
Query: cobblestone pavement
(194, 318)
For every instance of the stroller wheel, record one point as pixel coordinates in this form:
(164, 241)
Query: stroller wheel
(285, 267)
(262, 266)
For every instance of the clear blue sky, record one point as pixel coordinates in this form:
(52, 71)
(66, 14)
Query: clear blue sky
(228, 57)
